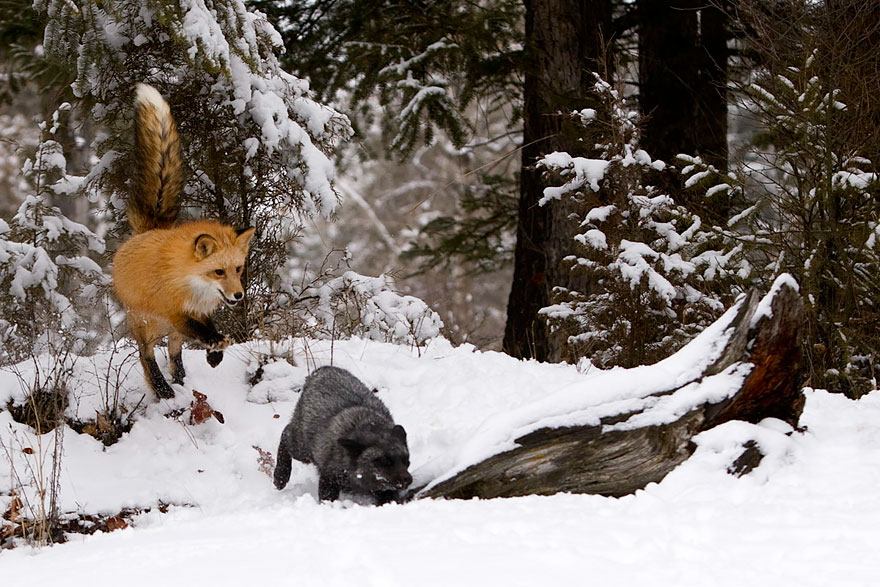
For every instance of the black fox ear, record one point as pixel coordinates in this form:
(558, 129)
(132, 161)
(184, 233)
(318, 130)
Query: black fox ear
(354, 447)
(399, 433)
(204, 246)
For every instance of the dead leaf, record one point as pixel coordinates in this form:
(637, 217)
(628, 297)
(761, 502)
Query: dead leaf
(116, 523)
(201, 410)
(102, 422)
(6, 529)
(13, 512)
(27, 450)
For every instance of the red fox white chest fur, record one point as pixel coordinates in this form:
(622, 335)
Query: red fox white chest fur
(169, 277)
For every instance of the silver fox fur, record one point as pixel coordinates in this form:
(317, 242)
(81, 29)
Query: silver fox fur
(344, 429)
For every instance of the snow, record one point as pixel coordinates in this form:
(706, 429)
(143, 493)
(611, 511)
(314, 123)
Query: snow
(854, 178)
(716, 189)
(806, 516)
(599, 214)
(633, 267)
(583, 171)
(383, 314)
(764, 306)
(406, 65)
(594, 238)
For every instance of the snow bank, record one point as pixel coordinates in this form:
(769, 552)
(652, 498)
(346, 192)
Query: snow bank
(807, 515)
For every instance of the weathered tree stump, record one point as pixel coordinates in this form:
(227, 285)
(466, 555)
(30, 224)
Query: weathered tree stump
(762, 340)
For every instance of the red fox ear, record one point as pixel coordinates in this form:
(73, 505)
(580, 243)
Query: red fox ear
(244, 237)
(205, 245)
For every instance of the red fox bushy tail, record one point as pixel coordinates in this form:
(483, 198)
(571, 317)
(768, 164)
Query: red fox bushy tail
(154, 200)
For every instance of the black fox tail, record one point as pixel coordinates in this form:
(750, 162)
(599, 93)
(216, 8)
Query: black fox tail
(154, 201)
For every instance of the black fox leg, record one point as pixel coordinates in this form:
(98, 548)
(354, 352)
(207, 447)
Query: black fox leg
(282, 465)
(175, 357)
(386, 496)
(328, 488)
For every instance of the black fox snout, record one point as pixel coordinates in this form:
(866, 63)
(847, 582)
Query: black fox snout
(404, 481)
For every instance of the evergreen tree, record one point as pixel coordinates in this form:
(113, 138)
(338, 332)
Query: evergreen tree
(649, 266)
(434, 91)
(814, 212)
(50, 285)
(256, 145)
(425, 63)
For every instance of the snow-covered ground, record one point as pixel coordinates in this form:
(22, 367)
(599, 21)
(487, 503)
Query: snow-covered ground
(808, 515)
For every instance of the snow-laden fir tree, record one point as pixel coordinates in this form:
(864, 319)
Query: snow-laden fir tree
(811, 208)
(410, 67)
(647, 261)
(50, 282)
(435, 92)
(256, 145)
(368, 307)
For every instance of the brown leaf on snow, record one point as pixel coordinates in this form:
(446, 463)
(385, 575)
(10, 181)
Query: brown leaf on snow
(13, 512)
(116, 523)
(201, 410)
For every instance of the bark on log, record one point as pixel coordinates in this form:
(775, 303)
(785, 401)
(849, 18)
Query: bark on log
(593, 459)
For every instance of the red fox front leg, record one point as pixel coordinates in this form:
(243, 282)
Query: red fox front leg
(204, 331)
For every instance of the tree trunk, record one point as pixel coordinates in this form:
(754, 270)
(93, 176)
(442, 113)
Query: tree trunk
(683, 79)
(620, 460)
(564, 44)
(711, 100)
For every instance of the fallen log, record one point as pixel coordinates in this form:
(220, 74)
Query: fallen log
(748, 371)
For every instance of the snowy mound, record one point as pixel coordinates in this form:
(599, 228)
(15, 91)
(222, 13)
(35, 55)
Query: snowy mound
(812, 499)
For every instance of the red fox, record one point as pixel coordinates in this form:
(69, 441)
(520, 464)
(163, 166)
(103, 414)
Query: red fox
(171, 277)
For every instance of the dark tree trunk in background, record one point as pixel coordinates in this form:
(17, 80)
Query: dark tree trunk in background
(564, 44)
(711, 119)
(683, 79)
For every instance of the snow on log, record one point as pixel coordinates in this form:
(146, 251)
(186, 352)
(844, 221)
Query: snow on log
(624, 428)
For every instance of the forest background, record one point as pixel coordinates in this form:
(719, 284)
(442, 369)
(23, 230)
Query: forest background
(584, 181)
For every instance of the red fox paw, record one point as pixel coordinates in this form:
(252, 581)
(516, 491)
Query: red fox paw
(215, 351)
(214, 357)
(221, 344)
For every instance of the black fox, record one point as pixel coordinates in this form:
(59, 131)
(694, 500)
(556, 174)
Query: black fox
(341, 427)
